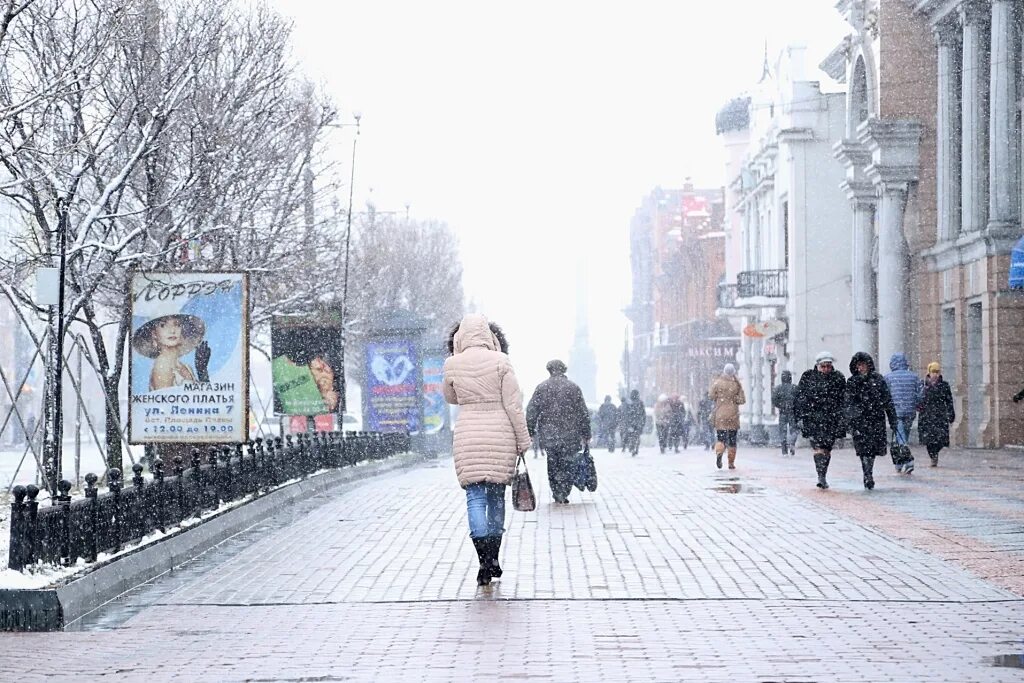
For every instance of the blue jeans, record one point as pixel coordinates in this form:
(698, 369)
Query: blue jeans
(485, 505)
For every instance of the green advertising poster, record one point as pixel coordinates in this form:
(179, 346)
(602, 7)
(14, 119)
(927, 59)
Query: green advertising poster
(306, 364)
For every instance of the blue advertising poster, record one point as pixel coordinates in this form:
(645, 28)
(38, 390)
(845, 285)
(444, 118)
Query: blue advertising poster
(435, 408)
(392, 399)
(1017, 265)
(189, 368)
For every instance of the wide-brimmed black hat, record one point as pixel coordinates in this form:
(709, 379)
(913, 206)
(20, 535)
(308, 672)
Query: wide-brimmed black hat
(192, 330)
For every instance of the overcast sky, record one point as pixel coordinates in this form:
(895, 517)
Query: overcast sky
(535, 128)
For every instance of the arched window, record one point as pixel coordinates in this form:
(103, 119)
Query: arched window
(859, 92)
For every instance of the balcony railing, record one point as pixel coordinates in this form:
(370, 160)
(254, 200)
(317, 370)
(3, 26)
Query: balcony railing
(772, 284)
(727, 295)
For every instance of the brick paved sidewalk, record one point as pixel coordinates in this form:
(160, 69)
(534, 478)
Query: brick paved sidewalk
(671, 571)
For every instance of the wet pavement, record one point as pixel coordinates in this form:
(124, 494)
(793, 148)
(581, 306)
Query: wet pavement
(672, 571)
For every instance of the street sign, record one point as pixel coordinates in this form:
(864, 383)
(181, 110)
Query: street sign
(764, 328)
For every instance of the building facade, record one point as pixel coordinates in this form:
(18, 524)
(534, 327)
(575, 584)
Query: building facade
(933, 170)
(794, 265)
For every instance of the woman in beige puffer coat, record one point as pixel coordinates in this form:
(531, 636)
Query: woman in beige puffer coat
(490, 431)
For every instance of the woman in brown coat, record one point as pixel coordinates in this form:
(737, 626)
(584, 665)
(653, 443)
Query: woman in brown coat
(727, 393)
(490, 431)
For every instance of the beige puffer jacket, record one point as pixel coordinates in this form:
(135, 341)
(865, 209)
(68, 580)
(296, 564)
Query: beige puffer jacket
(490, 431)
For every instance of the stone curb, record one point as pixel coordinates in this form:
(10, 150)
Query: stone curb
(59, 607)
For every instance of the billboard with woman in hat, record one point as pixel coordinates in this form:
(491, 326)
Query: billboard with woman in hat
(189, 370)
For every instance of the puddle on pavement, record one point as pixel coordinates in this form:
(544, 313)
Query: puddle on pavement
(736, 487)
(1009, 661)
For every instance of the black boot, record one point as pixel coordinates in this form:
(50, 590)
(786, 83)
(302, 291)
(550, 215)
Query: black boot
(867, 464)
(493, 548)
(821, 466)
(483, 577)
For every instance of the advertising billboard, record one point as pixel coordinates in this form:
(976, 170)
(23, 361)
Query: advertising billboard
(435, 408)
(392, 386)
(306, 364)
(188, 373)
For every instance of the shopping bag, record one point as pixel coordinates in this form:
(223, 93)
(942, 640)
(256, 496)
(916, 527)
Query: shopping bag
(898, 449)
(584, 471)
(523, 498)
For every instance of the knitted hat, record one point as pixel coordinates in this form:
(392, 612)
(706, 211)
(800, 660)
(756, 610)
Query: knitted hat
(934, 368)
(729, 370)
(823, 357)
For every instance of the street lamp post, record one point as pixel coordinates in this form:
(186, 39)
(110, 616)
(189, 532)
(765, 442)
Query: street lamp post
(343, 403)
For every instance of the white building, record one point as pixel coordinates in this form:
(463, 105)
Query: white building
(793, 227)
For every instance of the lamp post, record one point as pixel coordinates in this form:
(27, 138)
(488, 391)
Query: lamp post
(343, 403)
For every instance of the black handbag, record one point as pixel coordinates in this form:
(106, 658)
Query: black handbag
(585, 472)
(523, 498)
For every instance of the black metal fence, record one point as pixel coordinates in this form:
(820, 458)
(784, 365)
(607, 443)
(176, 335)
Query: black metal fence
(766, 283)
(105, 522)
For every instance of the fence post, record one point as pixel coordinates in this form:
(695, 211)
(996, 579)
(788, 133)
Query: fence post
(196, 480)
(31, 538)
(225, 456)
(179, 472)
(137, 521)
(94, 516)
(259, 466)
(64, 504)
(114, 484)
(15, 552)
(211, 459)
(157, 468)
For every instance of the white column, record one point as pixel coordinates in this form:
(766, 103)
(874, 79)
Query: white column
(974, 107)
(892, 272)
(864, 320)
(745, 373)
(1004, 161)
(948, 133)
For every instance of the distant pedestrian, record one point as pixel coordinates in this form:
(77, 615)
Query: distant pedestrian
(679, 425)
(607, 422)
(663, 420)
(819, 408)
(558, 414)
(705, 414)
(30, 430)
(937, 413)
(782, 400)
(636, 420)
(623, 417)
(490, 432)
(868, 406)
(727, 393)
(905, 387)
(1019, 396)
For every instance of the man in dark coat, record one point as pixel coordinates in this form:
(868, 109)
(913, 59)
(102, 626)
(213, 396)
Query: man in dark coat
(868, 405)
(636, 420)
(679, 425)
(623, 422)
(782, 400)
(819, 408)
(936, 413)
(607, 421)
(558, 414)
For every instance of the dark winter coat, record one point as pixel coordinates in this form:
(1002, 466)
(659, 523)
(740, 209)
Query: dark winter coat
(904, 386)
(784, 395)
(558, 414)
(607, 415)
(937, 413)
(677, 422)
(704, 411)
(868, 406)
(820, 405)
(636, 415)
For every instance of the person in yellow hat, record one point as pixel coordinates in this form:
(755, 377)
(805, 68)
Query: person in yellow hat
(936, 413)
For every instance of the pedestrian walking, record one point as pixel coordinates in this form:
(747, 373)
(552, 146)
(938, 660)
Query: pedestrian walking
(868, 406)
(623, 417)
(819, 408)
(727, 393)
(558, 414)
(705, 412)
(782, 400)
(679, 425)
(607, 423)
(636, 420)
(936, 413)
(490, 432)
(905, 387)
(663, 420)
